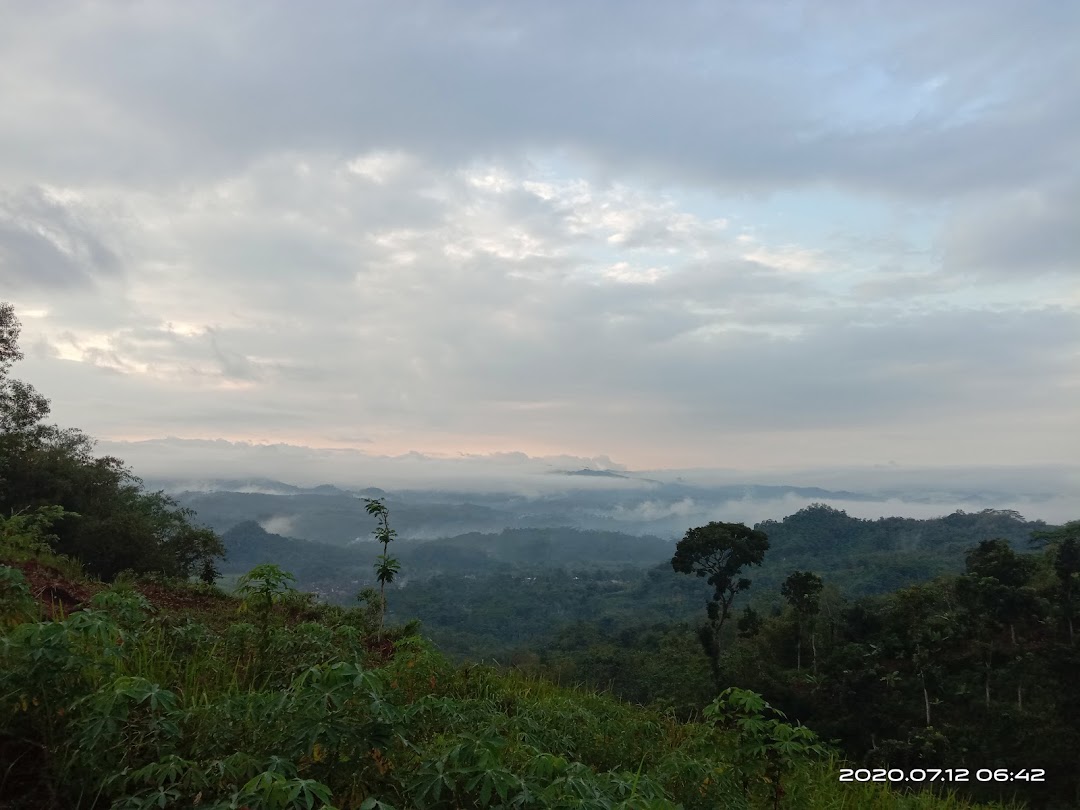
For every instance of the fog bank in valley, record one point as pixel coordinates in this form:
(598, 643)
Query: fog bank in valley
(598, 492)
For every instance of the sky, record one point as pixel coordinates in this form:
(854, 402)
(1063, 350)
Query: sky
(739, 235)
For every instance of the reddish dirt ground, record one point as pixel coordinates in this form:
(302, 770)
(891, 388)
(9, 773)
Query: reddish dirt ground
(57, 594)
(382, 648)
(61, 596)
(164, 597)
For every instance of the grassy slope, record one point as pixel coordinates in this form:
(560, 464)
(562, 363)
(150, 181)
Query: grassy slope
(156, 694)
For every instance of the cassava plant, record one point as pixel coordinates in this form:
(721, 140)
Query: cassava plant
(766, 747)
(261, 588)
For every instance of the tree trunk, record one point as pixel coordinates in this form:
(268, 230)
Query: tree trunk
(798, 653)
(1019, 698)
(716, 656)
(813, 647)
(926, 703)
(382, 605)
(709, 636)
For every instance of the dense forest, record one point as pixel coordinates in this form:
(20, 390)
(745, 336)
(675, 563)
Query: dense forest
(977, 668)
(754, 667)
(482, 595)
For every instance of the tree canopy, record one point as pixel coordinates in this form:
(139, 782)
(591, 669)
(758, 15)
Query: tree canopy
(112, 524)
(718, 552)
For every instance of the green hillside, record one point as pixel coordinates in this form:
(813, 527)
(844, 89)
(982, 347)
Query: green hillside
(248, 544)
(149, 693)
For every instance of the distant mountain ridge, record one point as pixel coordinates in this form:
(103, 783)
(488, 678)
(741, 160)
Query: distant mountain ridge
(601, 500)
(594, 473)
(263, 486)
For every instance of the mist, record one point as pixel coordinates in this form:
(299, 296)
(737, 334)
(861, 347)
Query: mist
(589, 492)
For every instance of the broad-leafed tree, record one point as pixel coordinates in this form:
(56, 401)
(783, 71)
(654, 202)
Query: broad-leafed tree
(802, 590)
(719, 552)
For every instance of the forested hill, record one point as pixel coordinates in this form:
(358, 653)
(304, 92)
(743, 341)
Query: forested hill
(248, 544)
(822, 530)
(867, 556)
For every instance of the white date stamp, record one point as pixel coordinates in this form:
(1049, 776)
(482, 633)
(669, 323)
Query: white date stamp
(942, 775)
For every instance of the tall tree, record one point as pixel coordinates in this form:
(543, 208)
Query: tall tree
(924, 625)
(749, 623)
(1063, 543)
(802, 590)
(719, 552)
(1067, 568)
(994, 596)
(995, 559)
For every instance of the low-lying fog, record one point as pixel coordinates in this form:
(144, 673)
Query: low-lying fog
(597, 492)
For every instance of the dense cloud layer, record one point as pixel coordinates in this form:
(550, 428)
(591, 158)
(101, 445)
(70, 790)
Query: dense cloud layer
(644, 501)
(742, 236)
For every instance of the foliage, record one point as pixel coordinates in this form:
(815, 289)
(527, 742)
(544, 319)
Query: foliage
(386, 567)
(125, 706)
(463, 588)
(825, 533)
(260, 589)
(802, 590)
(1067, 569)
(767, 749)
(1057, 535)
(16, 602)
(974, 670)
(109, 523)
(719, 552)
(21, 407)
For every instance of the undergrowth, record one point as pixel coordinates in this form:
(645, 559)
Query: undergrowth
(277, 702)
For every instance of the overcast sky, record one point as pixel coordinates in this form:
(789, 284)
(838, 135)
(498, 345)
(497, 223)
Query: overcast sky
(727, 234)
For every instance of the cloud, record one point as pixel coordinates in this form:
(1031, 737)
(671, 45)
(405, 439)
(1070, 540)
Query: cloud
(44, 244)
(891, 100)
(284, 525)
(464, 318)
(635, 503)
(751, 234)
(200, 460)
(1028, 233)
